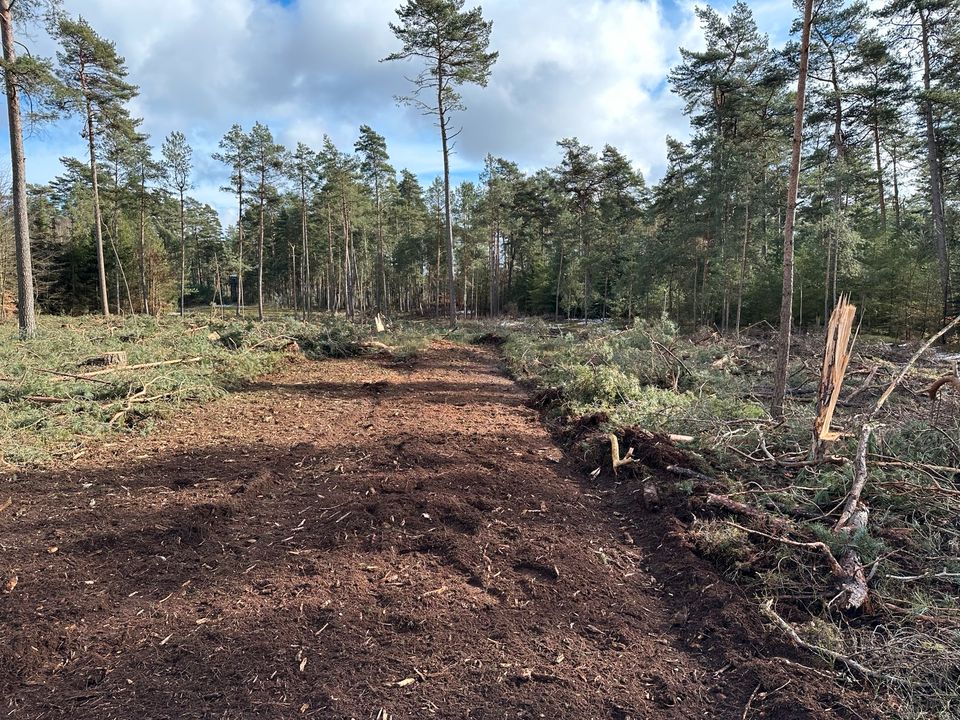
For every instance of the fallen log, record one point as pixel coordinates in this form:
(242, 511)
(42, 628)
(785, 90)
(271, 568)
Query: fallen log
(728, 503)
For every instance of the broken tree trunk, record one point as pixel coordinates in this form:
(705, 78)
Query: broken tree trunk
(836, 357)
(112, 358)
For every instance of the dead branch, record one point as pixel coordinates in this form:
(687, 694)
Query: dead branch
(910, 363)
(734, 506)
(951, 380)
(142, 366)
(768, 610)
(72, 375)
(835, 567)
(864, 385)
(859, 479)
(687, 472)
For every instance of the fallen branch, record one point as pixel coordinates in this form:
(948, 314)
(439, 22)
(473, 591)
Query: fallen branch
(835, 567)
(687, 472)
(910, 363)
(866, 384)
(768, 610)
(734, 506)
(270, 339)
(951, 380)
(72, 375)
(141, 366)
(859, 480)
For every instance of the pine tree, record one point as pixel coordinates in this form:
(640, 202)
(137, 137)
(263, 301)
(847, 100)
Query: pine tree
(302, 169)
(236, 153)
(31, 77)
(94, 76)
(266, 158)
(177, 154)
(376, 169)
(453, 45)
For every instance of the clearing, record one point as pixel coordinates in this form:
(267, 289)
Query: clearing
(368, 538)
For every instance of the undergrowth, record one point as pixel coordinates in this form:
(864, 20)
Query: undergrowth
(47, 412)
(716, 390)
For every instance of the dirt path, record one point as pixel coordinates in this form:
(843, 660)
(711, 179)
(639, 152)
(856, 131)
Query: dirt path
(359, 539)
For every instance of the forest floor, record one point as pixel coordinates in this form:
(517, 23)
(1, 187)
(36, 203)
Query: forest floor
(373, 538)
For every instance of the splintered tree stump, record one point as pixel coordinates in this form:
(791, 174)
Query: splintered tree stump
(112, 358)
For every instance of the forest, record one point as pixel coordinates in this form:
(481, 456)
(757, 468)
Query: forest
(339, 229)
(559, 441)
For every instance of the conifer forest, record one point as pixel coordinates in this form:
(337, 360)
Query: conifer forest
(658, 421)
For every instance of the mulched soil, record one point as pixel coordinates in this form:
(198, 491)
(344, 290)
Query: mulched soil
(365, 539)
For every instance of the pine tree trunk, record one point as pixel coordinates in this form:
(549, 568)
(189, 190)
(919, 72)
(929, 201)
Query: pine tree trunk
(743, 263)
(448, 217)
(881, 192)
(26, 314)
(144, 293)
(260, 260)
(183, 258)
(239, 242)
(381, 281)
(786, 300)
(933, 170)
(97, 218)
(305, 253)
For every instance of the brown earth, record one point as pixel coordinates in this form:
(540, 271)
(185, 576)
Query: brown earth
(365, 539)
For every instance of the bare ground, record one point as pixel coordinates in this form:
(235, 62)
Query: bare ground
(365, 539)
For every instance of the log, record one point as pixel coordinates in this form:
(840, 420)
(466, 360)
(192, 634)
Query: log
(728, 503)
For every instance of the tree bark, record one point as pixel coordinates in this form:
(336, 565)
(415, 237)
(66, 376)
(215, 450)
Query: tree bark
(305, 254)
(97, 217)
(786, 300)
(26, 314)
(183, 258)
(239, 242)
(743, 263)
(145, 303)
(260, 257)
(448, 218)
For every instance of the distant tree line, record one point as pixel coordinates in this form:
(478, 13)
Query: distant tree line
(332, 229)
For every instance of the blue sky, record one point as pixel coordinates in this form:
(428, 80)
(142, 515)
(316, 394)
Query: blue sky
(594, 69)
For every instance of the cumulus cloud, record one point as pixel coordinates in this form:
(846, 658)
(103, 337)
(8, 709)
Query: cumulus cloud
(594, 69)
